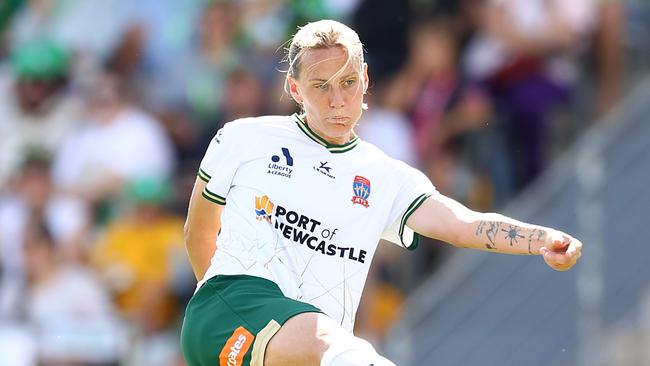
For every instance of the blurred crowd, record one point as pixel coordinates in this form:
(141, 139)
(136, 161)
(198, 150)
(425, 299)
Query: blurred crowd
(106, 109)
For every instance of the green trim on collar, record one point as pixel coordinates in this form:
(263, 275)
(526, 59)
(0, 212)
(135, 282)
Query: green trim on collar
(409, 211)
(335, 149)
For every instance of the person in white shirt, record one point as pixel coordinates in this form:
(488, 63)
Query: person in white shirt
(118, 142)
(67, 306)
(38, 110)
(296, 206)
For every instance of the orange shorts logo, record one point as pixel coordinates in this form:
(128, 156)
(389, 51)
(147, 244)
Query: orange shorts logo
(235, 349)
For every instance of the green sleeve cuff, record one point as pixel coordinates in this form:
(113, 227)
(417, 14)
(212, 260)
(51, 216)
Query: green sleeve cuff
(402, 226)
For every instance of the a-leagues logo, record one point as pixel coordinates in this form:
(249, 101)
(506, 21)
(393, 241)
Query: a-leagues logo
(277, 168)
(361, 189)
(324, 169)
(263, 208)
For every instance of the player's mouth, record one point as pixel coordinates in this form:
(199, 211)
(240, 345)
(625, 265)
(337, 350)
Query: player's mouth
(339, 119)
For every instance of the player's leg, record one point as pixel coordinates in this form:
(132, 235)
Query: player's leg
(230, 320)
(313, 339)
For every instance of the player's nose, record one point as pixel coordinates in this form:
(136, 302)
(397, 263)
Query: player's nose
(336, 98)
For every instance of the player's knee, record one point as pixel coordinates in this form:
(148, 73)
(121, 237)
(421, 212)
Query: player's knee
(314, 339)
(353, 352)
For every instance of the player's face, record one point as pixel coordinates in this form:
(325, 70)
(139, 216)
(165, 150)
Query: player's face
(334, 106)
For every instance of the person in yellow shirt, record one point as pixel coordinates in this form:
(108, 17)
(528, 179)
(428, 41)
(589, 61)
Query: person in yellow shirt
(135, 255)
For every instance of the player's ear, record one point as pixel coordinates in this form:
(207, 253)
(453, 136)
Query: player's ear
(366, 79)
(293, 89)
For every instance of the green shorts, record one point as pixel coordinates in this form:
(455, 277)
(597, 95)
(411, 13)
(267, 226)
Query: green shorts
(230, 320)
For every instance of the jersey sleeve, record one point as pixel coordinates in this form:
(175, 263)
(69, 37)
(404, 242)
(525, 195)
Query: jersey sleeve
(414, 189)
(220, 164)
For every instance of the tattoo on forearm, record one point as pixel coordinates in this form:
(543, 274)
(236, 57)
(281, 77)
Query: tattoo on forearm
(489, 229)
(512, 233)
(535, 234)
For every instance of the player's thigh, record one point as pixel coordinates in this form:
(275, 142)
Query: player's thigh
(230, 320)
(302, 340)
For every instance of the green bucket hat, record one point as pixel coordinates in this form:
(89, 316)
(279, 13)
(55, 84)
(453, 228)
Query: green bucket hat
(40, 59)
(149, 190)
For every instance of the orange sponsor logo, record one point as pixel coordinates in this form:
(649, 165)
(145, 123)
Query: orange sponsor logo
(235, 349)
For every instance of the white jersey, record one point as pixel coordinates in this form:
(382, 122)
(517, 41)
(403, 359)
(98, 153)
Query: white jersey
(306, 214)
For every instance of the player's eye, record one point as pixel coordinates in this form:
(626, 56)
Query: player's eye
(349, 82)
(324, 86)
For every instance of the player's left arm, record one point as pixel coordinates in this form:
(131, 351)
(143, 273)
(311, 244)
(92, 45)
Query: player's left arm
(443, 218)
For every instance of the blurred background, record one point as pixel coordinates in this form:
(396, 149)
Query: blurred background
(536, 108)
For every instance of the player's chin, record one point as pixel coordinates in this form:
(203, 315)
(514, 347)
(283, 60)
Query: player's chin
(341, 127)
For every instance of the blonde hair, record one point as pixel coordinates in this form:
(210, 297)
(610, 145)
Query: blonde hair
(320, 35)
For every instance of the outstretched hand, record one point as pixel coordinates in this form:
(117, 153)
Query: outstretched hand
(561, 251)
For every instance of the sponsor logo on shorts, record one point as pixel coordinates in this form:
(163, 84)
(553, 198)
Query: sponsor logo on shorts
(236, 346)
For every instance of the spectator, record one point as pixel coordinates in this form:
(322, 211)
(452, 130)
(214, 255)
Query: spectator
(386, 125)
(442, 108)
(36, 111)
(527, 52)
(33, 196)
(67, 307)
(117, 143)
(245, 97)
(189, 95)
(197, 79)
(155, 36)
(137, 254)
(75, 24)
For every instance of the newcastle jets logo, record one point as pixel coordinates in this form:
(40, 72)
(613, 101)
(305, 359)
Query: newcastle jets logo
(361, 189)
(324, 169)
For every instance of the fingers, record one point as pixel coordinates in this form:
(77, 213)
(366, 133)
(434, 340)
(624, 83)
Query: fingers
(575, 248)
(563, 260)
(558, 262)
(558, 241)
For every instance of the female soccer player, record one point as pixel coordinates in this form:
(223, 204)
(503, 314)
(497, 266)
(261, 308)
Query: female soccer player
(299, 204)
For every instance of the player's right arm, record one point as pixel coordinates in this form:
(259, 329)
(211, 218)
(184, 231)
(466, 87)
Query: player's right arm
(443, 218)
(201, 228)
